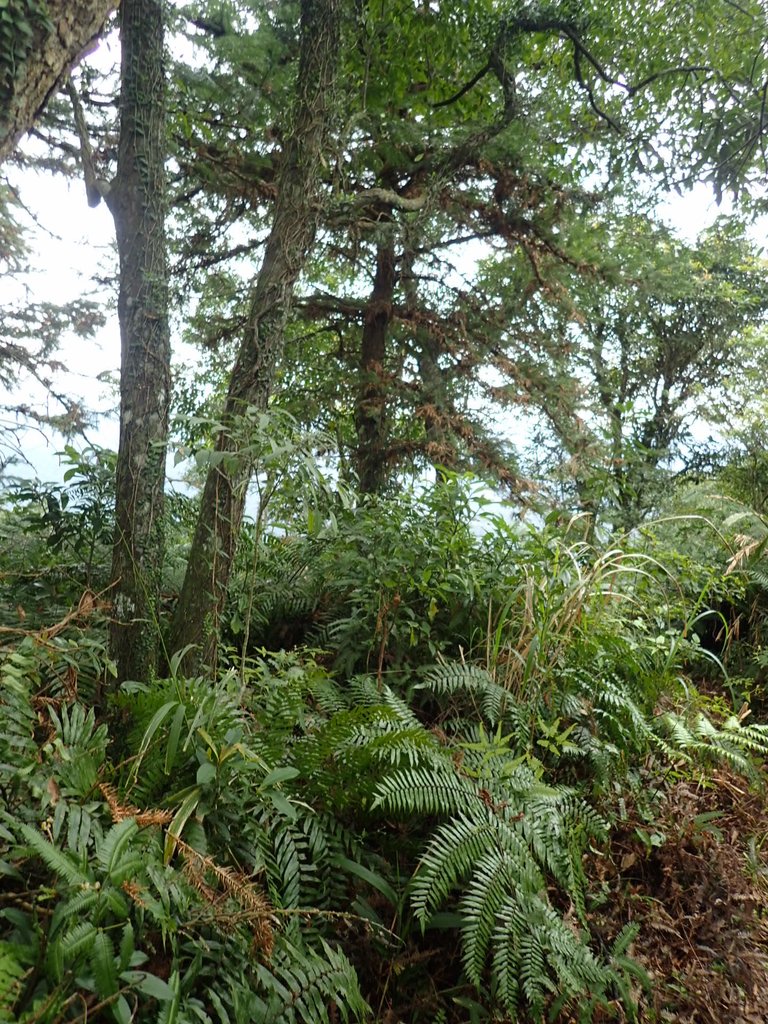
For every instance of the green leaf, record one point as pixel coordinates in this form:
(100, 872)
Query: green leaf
(206, 773)
(170, 1012)
(173, 737)
(127, 946)
(180, 819)
(278, 775)
(149, 733)
(369, 877)
(103, 964)
(149, 985)
(59, 863)
(112, 847)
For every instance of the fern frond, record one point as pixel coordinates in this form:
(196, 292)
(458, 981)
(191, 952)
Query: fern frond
(290, 856)
(75, 907)
(456, 848)
(697, 737)
(366, 691)
(537, 954)
(426, 791)
(60, 863)
(457, 677)
(497, 873)
(12, 974)
(103, 965)
(78, 941)
(81, 829)
(496, 702)
(305, 984)
(753, 738)
(17, 716)
(112, 850)
(414, 747)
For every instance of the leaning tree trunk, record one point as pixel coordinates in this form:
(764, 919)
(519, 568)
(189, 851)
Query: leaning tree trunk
(33, 65)
(195, 623)
(371, 410)
(137, 202)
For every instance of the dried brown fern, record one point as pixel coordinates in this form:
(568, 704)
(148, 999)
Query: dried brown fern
(230, 885)
(120, 810)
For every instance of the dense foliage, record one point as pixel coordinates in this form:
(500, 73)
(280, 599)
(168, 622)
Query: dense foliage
(438, 692)
(388, 806)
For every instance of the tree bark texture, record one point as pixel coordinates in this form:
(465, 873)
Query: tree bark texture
(39, 44)
(137, 203)
(371, 410)
(196, 621)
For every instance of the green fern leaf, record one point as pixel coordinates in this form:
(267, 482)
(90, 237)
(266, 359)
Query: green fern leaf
(60, 863)
(495, 875)
(453, 852)
(103, 965)
(307, 983)
(426, 791)
(111, 853)
(78, 941)
(12, 975)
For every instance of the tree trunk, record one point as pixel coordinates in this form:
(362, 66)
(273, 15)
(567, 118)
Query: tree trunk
(439, 446)
(137, 203)
(32, 66)
(195, 623)
(371, 411)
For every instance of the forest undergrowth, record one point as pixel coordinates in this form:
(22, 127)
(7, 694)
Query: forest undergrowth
(452, 768)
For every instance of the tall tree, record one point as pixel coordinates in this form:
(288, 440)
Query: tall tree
(464, 118)
(136, 199)
(620, 362)
(195, 622)
(39, 42)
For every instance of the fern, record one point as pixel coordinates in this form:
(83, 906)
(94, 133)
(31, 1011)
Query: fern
(450, 856)
(426, 791)
(368, 692)
(477, 686)
(495, 874)
(18, 677)
(60, 863)
(113, 855)
(304, 984)
(78, 941)
(537, 955)
(457, 677)
(12, 974)
(102, 956)
(697, 737)
(508, 839)
(82, 828)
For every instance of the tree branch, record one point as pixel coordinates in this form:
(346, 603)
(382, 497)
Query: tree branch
(464, 89)
(95, 188)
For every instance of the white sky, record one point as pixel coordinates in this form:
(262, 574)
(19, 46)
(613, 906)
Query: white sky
(71, 243)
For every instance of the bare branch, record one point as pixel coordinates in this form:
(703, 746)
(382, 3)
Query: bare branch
(95, 189)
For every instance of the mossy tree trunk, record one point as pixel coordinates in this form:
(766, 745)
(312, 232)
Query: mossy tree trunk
(39, 43)
(196, 621)
(371, 411)
(137, 202)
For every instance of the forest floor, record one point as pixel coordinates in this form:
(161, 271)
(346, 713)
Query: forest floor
(696, 882)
